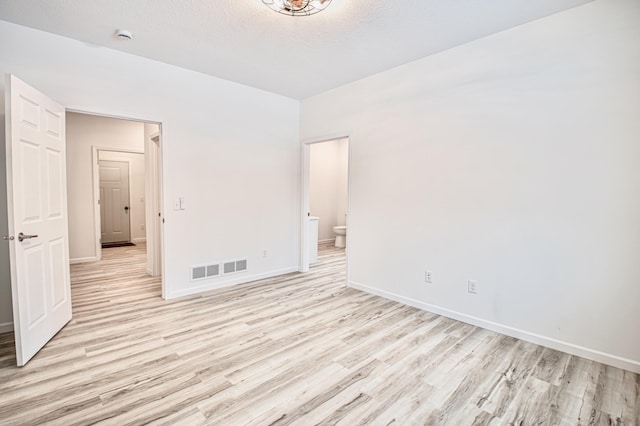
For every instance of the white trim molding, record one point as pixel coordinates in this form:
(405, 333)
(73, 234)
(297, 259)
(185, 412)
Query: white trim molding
(570, 348)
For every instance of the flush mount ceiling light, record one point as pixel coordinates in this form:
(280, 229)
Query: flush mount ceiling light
(297, 7)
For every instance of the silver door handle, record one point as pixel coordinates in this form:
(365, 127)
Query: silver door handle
(22, 237)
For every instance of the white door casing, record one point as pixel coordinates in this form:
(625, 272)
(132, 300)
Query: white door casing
(37, 206)
(114, 201)
(153, 205)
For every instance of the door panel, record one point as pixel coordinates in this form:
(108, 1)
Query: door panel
(114, 201)
(37, 207)
(55, 183)
(34, 266)
(30, 172)
(58, 274)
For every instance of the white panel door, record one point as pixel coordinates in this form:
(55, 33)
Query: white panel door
(37, 204)
(114, 201)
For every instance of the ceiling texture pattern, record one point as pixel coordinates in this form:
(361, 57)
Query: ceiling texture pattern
(246, 42)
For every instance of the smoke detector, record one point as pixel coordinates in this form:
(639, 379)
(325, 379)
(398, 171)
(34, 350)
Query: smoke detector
(124, 35)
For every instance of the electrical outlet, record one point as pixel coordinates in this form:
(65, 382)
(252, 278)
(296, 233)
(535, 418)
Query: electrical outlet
(142, 227)
(428, 277)
(264, 253)
(473, 286)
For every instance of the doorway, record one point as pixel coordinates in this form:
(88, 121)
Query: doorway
(325, 201)
(115, 217)
(38, 184)
(122, 194)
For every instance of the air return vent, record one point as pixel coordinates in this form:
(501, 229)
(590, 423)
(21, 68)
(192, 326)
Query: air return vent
(217, 269)
(241, 265)
(206, 271)
(198, 272)
(213, 270)
(234, 266)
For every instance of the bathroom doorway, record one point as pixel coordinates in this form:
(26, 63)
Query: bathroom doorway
(325, 201)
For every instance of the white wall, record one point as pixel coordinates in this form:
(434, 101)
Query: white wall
(328, 185)
(512, 160)
(238, 204)
(136, 186)
(83, 132)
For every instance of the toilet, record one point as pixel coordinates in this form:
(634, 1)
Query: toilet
(341, 236)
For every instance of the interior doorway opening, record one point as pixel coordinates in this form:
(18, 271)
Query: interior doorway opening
(49, 156)
(325, 202)
(120, 203)
(118, 190)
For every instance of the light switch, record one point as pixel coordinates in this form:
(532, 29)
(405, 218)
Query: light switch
(182, 205)
(176, 204)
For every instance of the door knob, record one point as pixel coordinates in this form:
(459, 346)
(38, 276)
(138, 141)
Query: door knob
(22, 237)
(126, 207)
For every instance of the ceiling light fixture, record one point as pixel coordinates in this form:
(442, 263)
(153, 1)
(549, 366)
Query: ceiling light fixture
(297, 7)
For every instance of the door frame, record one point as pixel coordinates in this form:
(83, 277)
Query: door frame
(306, 192)
(155, 250)
(95, 171)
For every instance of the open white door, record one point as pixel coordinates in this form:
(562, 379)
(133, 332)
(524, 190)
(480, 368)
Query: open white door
(38, 226)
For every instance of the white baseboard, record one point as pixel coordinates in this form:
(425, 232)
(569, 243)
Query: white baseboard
(6, 327)
(228, 283)
(570, 348)
(138, 240)
(83, 260)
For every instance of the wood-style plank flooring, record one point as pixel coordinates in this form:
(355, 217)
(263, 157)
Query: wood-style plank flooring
(298, 349)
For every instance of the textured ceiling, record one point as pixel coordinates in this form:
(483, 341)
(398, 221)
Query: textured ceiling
(245, 42)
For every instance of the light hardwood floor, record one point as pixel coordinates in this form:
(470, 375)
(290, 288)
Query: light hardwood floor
(299, 349)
